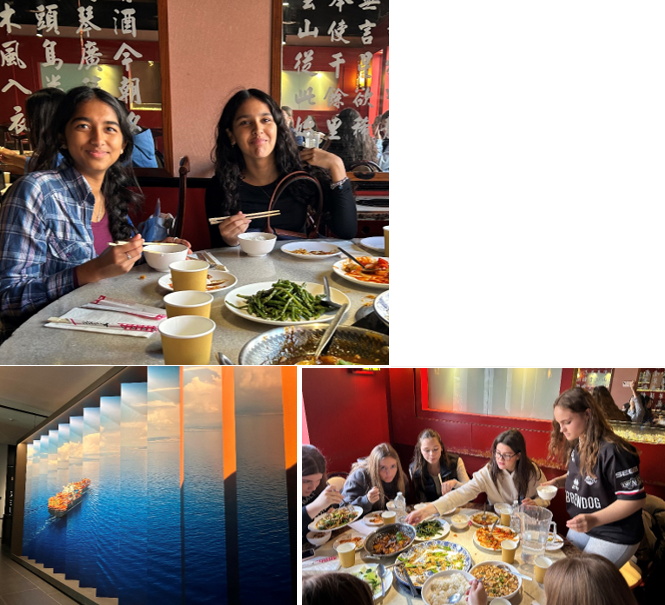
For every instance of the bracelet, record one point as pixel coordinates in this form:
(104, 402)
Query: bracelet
(339, 184)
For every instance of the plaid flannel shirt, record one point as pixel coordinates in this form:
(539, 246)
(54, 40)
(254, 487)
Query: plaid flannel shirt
(45, 233)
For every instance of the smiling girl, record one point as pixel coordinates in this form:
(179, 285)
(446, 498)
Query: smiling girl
(509, 475)
(434, 471)
(376, 479)
(604, 491)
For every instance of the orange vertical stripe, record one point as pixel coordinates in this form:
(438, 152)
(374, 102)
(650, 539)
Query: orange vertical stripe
(182, 429)
(228, 421)
(290, 405)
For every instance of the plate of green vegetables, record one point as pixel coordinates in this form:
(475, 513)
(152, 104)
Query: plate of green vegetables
(367, 573)
(432, 529)
(283, 302)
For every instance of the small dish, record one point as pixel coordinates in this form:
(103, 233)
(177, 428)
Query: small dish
(311, 250)
(547, 492)
(460, 521)
(373, 519)
(317, 538)
(352, 536)
(257, 244)
(228, 280)
(554, 542)
(377, 243)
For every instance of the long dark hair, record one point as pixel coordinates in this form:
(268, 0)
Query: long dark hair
(40, 107)
(314, 463)
(351, 147)
(525, 470)
(118, 178)
(419, 464)
(606, 403)
(598, 430)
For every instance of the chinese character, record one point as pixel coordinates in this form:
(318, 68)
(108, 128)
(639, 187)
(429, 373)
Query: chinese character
(365, 64)
(47, 18)
(11, 83)
(369, 5)
(306, 95)
(307, 32)
(336, 31)
(18, 121)
(308, 4)
(334, 97)
(340, 3)
(361, 126)
(85, 20)
(307, 57)
(51, 60)
(130, 89)
(92, 81)
(366, 29)
(53, 81)
(362, 97)
(127, 23)
(339, 60)
(132, 118)
(9, 56)
(125, 50)
(6, 16)
(333, 125)
(90, 55)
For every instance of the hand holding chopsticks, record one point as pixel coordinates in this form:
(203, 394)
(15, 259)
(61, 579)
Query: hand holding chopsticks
(219, 219)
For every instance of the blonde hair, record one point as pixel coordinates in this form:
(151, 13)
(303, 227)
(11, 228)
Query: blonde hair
(373, 463)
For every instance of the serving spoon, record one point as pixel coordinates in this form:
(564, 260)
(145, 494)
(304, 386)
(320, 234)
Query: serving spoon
(330, 330)
(366, 268)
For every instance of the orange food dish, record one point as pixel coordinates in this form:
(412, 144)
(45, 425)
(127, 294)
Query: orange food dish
(380, 276)
(493, 540)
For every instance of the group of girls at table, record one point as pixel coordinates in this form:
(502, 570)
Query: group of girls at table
(603, 489)
(56, 222)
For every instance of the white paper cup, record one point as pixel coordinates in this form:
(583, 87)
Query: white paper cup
(187, 340)
(188, 302)
(389, 516)
(541, 565)
(508, 548)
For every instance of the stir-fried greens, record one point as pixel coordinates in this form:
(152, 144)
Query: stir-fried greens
(428, 529)
(336, 518)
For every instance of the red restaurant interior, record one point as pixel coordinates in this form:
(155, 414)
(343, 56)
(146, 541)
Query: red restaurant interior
(346, 413)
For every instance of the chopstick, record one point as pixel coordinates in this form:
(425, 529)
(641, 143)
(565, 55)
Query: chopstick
(122, 243)
(219, 219)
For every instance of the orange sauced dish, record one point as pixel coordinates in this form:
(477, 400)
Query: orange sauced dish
(388, 544)
(493, 540)
(380, 276)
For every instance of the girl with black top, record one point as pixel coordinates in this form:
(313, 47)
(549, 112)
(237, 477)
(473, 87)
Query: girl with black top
(316, 495)
(434, 471)
(604, 491)
(254, 150)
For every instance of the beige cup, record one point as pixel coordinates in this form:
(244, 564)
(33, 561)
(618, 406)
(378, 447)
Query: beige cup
(505, 516)
(188, 302)
(189, 275)
(187, 340)
(508, 548)
(347, 554)
(386, 234)
(541, 565)
(388, 517)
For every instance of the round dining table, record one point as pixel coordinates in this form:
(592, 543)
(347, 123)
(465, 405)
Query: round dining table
(325, 560)
(33, 343)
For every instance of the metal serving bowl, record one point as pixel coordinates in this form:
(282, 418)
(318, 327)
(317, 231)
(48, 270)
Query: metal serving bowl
(407, 530)
(291, 341)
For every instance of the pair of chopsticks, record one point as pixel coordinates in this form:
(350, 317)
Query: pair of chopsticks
(267, 213)
(122, 243)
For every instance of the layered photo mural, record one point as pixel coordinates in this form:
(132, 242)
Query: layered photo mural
(176, 490)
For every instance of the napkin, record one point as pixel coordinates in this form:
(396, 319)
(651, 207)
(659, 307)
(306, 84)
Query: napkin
(320, 565)
(99, 316)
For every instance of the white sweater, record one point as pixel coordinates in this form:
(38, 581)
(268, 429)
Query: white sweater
(506, 491)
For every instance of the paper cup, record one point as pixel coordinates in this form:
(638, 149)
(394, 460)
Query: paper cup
(187, 340)
(347, 554)
(389, 516)
(508, 548)
(541, 565)
(188, 302)
(386, 237)
(189, 275)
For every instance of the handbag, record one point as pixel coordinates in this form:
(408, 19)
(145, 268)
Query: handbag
(314, 210)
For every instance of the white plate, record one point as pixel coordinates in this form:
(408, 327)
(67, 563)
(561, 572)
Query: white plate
(555, 544)
(312, 288)
(491, 518)
(510, 567)
(375, 515)
(165, 281)
(449, 512)
(311, 247)
(382, 306)
(349, 535)
(492, 550)
(338, 268)
(387, 579)
(442, 533)
(312, 526)
(376, 243)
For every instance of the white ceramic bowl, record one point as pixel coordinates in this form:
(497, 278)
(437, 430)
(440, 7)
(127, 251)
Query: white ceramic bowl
(319, 539)
(547, 492)
(427, 586)
(459, 526)
(257, 244)
(510, 567)
(160, 256)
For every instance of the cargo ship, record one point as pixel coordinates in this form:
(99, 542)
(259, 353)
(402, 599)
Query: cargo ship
(71, 495)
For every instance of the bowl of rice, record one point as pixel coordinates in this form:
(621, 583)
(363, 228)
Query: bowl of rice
(443, 585)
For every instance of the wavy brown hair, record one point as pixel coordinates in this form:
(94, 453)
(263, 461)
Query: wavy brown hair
(598, 430)
(525, 470)
(607, 404)
(314, 463)
(373, 462)
(335, 588)
(586, 580)
(419, 464)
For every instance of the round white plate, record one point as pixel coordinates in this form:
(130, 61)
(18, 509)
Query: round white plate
(338, 268)
(554, 542)
(382, 306)
(231, 280)
(348, 535)
(387, 579)
(491, 518)
(312, 526)
(449, 512)
(510, 567)
(486, 549)
(310, 247)
(376, 243)
(375, 515)
(312, 288)
(444, 531)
